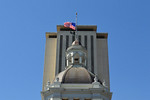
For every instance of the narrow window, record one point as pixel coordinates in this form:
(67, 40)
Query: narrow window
(92, 55)
(73, 38)
(79, 38)
(67, 41)
(60, 53)
(85, 41)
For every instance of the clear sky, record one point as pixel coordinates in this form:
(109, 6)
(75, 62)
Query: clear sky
(23, 24)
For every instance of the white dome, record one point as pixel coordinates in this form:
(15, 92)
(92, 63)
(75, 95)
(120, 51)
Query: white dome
(75, 75)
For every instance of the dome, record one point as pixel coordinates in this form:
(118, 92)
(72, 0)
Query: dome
(75, 75)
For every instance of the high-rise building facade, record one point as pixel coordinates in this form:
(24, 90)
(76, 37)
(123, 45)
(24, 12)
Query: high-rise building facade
(76, 68)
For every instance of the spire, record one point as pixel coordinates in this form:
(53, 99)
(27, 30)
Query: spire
(76, 34)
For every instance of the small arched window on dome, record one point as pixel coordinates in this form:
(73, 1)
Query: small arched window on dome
(76, 58)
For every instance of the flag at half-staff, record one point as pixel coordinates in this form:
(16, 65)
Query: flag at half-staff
(70, 25)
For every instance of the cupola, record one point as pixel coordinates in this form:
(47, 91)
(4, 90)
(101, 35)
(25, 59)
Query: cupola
(76, 55)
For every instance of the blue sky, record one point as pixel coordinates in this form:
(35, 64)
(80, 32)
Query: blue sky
(23, 24)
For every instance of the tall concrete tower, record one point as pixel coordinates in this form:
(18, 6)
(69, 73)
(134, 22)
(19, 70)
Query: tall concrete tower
(76, 68)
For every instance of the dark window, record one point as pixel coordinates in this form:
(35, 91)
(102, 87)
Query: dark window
(52, 36)
(85, 41)
(65, 61)
(60, 53)
(92, 55)
(67, 41)
(100, 37)
(76, 60)
(79, 38)
(73, 38)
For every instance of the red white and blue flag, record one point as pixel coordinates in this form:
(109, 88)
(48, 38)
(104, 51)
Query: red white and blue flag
(70, 25)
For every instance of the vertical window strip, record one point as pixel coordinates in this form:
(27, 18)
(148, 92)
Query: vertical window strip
(73, 38)
(85, 41)
(67, 41)
(79, 38)
(60, 53)
(92, 55)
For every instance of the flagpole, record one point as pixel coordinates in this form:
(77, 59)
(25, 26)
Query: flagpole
(76, 34)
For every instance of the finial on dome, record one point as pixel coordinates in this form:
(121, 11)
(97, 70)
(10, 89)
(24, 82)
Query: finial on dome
(76, 42)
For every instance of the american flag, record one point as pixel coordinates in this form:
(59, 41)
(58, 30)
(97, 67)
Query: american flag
(70, 25)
